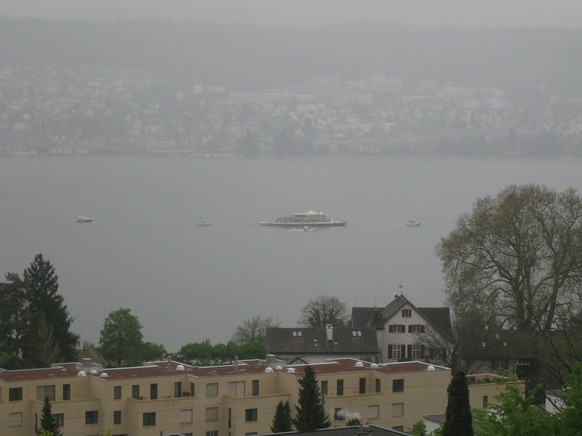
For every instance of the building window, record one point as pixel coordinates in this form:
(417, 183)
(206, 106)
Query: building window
(374, 411)
(339, 414)
(117, 417)
(211, 390)
(406, 313)
(416, 351)
(149, 419)
(395, 351)
(378, 385)
(362, 385)
(250, 415)
(397, 328)
(397, 410)
(66, 392)
(236, 389)
(135, 392)
(356, 333)
(91, 417)
(15, 394)
(59, 419)
(212, 414)
(185, 416)
(324, 387)
(398, 385)
(255, 388)
(117, 392)
(485, 401)
(177, 389)
(297, 333)
(340, 387)
(43, 392)
(416, 328)
(252, 433)
(192, 389)
(15, 419)
(212, 433)
(153, 391)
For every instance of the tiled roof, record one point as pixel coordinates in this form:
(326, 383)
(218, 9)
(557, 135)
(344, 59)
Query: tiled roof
(358, 341)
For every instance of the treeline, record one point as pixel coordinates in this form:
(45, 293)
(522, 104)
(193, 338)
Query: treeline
(244, 56)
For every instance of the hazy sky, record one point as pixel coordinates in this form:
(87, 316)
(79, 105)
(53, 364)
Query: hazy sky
(553, 13)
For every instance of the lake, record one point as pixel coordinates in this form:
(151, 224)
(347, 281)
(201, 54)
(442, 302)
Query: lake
(188, 283)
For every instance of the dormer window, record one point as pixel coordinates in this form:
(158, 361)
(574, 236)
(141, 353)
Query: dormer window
(296, 332)
(406, 313)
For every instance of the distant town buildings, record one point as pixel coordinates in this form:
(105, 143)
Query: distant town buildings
(102, 110)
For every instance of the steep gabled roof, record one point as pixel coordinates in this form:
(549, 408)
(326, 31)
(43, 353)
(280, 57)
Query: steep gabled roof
(302, 341)
(438, 317)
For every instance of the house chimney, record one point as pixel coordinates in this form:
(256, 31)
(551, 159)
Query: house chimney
(329, 331)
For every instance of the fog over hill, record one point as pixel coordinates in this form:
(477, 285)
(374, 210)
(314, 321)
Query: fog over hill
(244, 56)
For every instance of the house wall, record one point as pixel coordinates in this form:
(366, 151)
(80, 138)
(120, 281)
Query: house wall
(420, 392)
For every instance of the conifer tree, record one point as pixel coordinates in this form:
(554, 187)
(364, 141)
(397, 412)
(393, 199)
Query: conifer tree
(459, 421)
(310, 411)
(48, 424)
(282, 420)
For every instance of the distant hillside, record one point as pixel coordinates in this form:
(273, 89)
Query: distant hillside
(244, 56)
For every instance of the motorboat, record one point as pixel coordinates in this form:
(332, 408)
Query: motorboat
(83, 219)
(413, 223)
(312, 218)
(203, 223)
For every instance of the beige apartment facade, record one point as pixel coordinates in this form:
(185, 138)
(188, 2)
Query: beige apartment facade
(237, 400)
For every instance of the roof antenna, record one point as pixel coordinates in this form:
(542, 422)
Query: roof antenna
(401, 290)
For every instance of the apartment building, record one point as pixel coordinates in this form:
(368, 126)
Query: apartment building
(167, 398)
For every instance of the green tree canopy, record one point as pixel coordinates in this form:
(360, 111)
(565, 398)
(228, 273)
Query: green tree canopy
(324, 310)
(310, 414)
(458, 419)
(34, 320)
(517, 258)
(48, 423)
(282, 420)
(121, 338)
(151, 351)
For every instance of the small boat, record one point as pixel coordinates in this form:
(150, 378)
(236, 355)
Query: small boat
(313, 218)
(203, 223)
(83, 219)
(413, 223)
(309, 229)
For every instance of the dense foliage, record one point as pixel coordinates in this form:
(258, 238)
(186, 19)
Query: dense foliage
(458, 419)
(324, 310)
(204, 353)
(34, 320)
(121, 338)
(253, 330)
(310, 414)
(282, 420)
(47, 421)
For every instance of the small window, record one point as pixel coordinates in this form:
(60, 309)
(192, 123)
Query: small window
(117, 393)
(485, 401)
(153, 391)
(416, 328)
(397, 328)
(339, 414)
(15, 419)
(92, 417)
(324, 387)
(397, 410)
(374, 411)
(43, 392)
(185, 416)
(340, 387)
(406, 313)
(250, 415)
(416, 351)
(59, 419)
(117, 417)
(192, 389)
(212, 414)
(149, 419)
(297, 333)
(178, 389)
(15, 394)
(212, 433)
(211, 390)
(395, 351)
(255, 388)
(66, 392)
(378, 385)
(135, 392)
(362, 389)
(398, 385)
